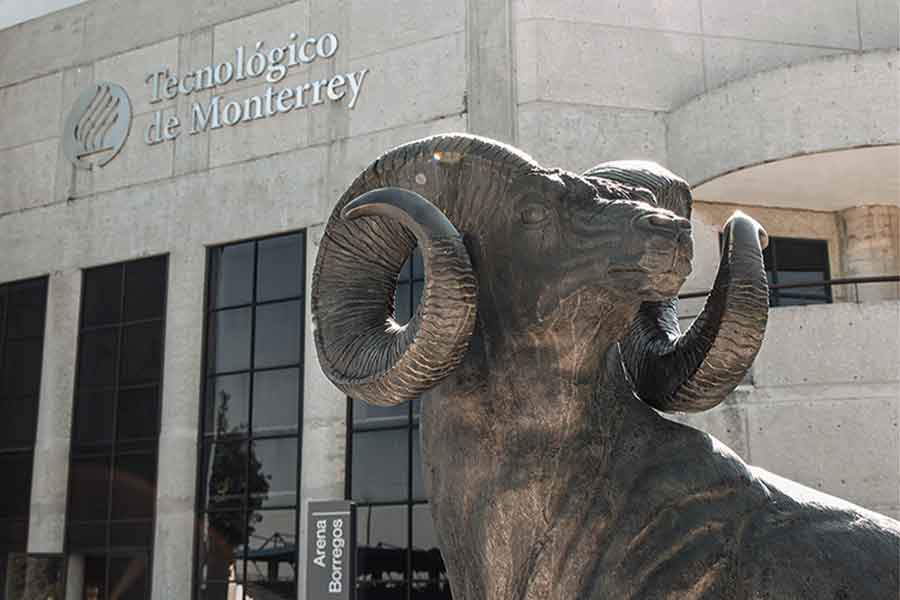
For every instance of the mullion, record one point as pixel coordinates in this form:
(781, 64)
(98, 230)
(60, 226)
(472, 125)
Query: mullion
(4, 326)
(777, 296)
(409, 486)
(24, 338)
(362, 428)
(117, 388)
(253, 302)
(214, 373)
(298, 466)
(113, 455)
(250, 437)
(114, 436)
(103, 326)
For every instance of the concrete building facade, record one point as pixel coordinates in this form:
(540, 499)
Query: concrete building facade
(787, 111)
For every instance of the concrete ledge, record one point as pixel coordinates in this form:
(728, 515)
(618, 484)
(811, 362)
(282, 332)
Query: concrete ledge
(833, 103)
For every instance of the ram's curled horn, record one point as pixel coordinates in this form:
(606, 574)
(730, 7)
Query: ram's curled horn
(696, 370)
(417, 193)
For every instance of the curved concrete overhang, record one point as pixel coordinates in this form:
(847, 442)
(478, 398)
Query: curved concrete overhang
(847, 106)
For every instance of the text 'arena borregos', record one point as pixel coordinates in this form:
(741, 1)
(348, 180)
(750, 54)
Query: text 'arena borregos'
(257, 61)
(335, 585)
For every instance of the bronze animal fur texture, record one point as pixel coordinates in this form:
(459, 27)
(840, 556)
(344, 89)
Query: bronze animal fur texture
(545, 340)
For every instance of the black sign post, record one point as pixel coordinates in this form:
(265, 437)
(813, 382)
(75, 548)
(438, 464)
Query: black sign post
(331, 550)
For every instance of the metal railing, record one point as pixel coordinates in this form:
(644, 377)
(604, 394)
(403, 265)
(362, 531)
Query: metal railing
(826, 283)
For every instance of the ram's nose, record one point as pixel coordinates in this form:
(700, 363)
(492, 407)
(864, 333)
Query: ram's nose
(669, 226)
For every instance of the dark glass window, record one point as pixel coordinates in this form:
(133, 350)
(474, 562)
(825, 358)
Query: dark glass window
(250, 448)
(397, 556)
(22, 308)
(791, 261)
(115, 432)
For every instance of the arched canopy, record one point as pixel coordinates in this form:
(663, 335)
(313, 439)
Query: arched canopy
(837, 103)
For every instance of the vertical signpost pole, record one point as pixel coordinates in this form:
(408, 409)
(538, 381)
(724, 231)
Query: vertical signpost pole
(331, 550)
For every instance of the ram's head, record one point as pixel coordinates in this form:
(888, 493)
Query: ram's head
(520, 244)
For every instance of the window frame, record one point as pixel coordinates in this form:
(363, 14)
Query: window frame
(208, 375)
(24, 452)
(775, 295)
(108, 550)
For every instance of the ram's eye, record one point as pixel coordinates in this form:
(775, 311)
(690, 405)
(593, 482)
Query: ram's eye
(534, 214)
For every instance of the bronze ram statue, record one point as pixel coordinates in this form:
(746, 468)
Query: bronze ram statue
(545, 338)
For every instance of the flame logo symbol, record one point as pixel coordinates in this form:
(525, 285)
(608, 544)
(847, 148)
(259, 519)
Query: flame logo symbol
(98, 125)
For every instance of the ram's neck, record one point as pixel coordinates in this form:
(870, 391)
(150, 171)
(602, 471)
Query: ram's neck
(522, 462)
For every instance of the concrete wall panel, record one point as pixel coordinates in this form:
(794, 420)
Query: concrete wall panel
(730, 59)
(593, 64)
(375, 27)
(115, 26)
(879, 23)
(665, 15)
(273, 28)
(43, 45)
(27, 173)
(30, 111)
(867, 335)
(846, 448)
(415, 84)
(205, 13)
(577, 137)
(813, 22)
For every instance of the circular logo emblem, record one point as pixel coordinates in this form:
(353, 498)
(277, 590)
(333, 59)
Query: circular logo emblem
(97, 125)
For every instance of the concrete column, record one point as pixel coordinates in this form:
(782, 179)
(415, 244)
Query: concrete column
(491, 66)
(870, 246)
(173, 548)
(75, 577)
(47, 520)
(324, 455)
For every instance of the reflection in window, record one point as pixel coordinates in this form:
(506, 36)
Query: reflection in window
(794, 261)
(249, 479)
(397, 556)
(22, 309)
(115, 437)
(36, 576)
(790, 261)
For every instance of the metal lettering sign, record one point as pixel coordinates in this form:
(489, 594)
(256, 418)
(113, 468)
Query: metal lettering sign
(100, 120)
(273, 64)
(97, 125)
(331, 550)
